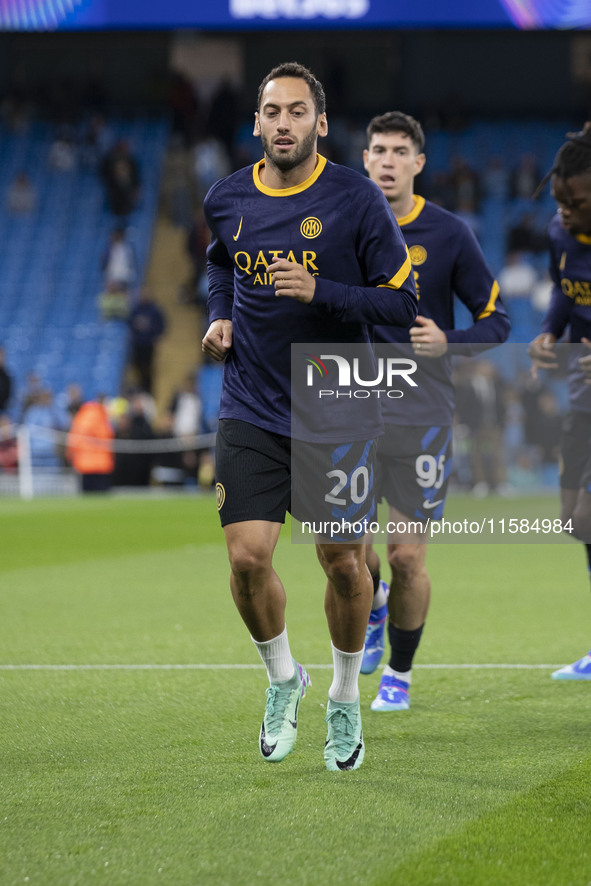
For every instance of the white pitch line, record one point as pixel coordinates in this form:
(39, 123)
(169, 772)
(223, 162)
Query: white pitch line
(248, 667)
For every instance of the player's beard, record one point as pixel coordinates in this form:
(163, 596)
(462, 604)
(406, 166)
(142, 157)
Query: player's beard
(300, 154)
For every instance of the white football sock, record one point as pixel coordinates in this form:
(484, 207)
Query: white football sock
(276, 656)
(345, 682)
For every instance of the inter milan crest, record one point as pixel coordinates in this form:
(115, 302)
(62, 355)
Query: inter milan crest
(310, 227)
(220, 495)
(418, 255)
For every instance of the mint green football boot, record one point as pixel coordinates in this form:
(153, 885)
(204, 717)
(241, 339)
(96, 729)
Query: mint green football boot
(344, 748)
(279, 728)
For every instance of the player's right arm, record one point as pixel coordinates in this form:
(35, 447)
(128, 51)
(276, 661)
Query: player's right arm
(218, 339)
(220, 279)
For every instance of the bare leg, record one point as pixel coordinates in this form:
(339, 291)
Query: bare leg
(410, 588)
(349, 593)
(256, 588)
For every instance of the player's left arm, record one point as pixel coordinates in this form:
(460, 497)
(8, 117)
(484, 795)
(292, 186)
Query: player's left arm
(475, 286)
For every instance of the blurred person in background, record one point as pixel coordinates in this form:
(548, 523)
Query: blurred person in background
(5, 382)
(41, 419)
(33, 388)
(186, 409)
(21, 196)
(8, 445)
(119, 267)
(118, 261)
(147, 325)
(89, 448)
(134, 468)
(120, 173)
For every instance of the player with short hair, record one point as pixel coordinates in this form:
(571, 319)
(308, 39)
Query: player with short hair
(302, 250)
(414, 455)
(570, 308)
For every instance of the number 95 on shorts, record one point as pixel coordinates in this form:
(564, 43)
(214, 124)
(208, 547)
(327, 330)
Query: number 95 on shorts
(332, 489)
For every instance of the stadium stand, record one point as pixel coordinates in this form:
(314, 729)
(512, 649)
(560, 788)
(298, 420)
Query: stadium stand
(50, 259)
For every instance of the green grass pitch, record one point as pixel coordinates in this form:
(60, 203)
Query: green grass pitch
(119, 774)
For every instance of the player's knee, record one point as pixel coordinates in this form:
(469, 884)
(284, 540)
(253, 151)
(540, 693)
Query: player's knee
(249, 559)
(406, 561)
(343, 569)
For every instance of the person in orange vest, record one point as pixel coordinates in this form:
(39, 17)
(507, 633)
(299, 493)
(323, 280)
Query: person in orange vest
(89, 449)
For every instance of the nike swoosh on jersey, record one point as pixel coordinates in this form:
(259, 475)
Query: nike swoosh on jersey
(429, 505)
(237, 234)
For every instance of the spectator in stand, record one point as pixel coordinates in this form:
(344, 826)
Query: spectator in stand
(481, 408)
(67, 405)
(224, 114)
(113, 303)
(211, 164)
(186, 410)
(525, 178)
(8, 446)
(525, 236)
(118, 261)
(30, 394)
(5, 382)
(133, 468)
(63, 154)
(41, 419)
(120, 173)
(147, 325)
(168, 468)
(96, 141)
(119, 267)
(496, 179)
(440, 190)
(465, 183)
(518, 277)
(466, 210)
(89, 448)
(184, 104)
(21, 196)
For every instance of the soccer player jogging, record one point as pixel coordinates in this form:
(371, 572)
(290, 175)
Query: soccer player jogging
(570, 309)
(302, 250)
(414, 454)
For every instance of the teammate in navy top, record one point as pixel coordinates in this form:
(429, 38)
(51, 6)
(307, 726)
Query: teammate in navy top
(302, 251)
(569, 312)
(414, 455)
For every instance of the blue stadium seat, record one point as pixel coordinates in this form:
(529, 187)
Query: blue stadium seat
(50, 261)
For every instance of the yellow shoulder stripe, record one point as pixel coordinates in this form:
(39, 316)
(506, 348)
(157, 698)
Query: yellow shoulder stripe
(490, 308)
(399, 278)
